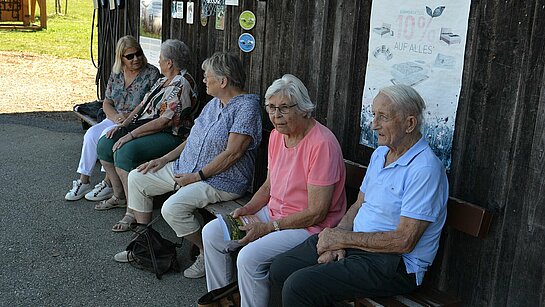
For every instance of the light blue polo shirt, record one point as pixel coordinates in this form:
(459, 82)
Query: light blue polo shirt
(209, 137)
(414, 186)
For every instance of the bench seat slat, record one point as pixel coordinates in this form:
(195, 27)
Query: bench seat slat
(86, 118)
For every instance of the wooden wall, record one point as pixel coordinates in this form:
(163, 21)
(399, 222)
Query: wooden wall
(499, 143)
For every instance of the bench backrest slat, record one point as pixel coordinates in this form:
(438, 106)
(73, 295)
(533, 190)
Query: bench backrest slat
(468, 218)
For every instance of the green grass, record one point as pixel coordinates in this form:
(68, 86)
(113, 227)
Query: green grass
(66, 36)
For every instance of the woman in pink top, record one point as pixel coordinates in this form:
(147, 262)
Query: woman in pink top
(303, 194)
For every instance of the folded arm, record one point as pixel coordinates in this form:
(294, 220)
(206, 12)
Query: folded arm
(399, 241)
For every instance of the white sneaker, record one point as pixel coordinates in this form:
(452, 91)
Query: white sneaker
(196, 270)
(78, 190)
(101, 192)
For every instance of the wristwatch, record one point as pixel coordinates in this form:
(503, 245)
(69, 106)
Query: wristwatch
(276, 226)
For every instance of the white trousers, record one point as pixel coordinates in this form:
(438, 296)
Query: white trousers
(89, 148)
(178, 210)
(252, 263)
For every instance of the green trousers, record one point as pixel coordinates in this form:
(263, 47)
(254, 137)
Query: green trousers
(137, 151)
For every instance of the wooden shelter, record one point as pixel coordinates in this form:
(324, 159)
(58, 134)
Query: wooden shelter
(498, 159)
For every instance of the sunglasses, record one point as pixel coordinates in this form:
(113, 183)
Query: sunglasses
(131, 56)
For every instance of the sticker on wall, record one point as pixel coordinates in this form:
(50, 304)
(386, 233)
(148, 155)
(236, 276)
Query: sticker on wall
(246, 42)
(190, 11)
(247, 20)
(173, 9)
(220, 17)
(177, 9)
(204, 20)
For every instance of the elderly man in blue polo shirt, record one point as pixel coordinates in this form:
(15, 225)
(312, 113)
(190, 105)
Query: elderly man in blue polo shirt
(390, 235)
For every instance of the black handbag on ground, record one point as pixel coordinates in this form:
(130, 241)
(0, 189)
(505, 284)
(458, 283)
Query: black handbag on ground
(228, 296)
(152, 252)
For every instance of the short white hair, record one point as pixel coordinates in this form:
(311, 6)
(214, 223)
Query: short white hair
(178, 52)
(291, 88)
(406, 101)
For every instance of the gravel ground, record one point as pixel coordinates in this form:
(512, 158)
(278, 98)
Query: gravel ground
(32, 82)
(55, 252)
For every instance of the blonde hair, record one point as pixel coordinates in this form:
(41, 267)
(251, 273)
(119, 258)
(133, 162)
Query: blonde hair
(123, 44)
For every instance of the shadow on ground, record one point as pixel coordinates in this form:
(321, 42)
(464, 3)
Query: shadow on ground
(59, 253)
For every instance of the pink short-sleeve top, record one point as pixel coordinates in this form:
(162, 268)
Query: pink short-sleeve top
(316, 160)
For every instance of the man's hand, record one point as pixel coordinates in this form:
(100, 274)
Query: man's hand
(328, 240)
(152, 166)
(254, 231)
(185, 179)
(331, 256)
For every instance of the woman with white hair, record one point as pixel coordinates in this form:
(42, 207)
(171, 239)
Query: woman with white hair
(303, 194)
(215, 163)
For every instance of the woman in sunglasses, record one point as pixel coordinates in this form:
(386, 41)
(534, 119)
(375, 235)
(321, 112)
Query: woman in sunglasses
(155, 127)
(130, 80)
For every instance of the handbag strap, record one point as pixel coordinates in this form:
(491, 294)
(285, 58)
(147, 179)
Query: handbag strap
(178, 245)
(152, 256)
(155, 91)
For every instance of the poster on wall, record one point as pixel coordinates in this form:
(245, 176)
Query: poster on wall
(421, 45)
(151, 14)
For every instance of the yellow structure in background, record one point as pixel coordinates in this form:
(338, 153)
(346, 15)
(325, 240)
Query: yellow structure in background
(18, 11)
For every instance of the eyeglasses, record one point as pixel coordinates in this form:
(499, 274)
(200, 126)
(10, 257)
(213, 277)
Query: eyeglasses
(131, 56)
(283, 109)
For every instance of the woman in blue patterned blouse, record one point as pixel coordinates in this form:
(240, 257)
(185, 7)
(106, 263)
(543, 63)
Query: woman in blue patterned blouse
(214, 164)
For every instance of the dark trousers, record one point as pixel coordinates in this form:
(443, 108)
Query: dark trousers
(298, 280)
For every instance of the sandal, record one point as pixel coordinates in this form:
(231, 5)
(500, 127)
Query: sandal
(125, 224)
(112, 202)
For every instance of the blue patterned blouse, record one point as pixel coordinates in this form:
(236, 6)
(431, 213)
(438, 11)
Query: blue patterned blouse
(208, 138)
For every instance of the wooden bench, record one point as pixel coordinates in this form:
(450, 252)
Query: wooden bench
(462, 216)
(86, 120)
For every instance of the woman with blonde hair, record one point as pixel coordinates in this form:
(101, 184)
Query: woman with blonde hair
(130, 80)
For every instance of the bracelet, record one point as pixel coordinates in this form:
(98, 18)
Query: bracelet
(276, 226)
(201, 174)
(132, 136)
